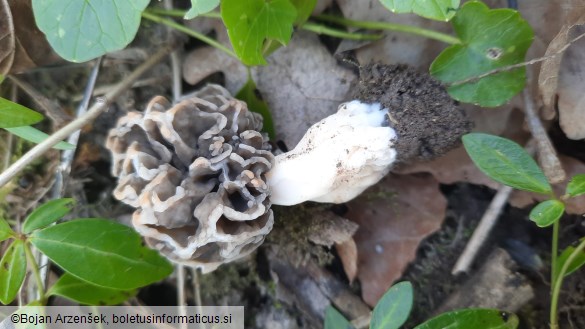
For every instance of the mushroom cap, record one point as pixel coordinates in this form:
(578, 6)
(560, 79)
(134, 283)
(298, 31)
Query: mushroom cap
(195, 171)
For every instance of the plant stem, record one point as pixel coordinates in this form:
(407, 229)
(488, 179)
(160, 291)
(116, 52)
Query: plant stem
(180, 13)
(554, 251)
(168, 22)
(556, 290)
(320, 29)
(36, 272)
(392, 27)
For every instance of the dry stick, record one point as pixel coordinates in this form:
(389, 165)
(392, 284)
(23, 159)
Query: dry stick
(483, 230)
(99, 107)
(487, 222)
(547, 156)
(517, 66)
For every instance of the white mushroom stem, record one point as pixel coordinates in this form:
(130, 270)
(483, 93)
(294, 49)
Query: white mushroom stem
(337, 159)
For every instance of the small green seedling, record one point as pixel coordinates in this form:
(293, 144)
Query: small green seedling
(508, 163)
(104, 261)
(393, 309)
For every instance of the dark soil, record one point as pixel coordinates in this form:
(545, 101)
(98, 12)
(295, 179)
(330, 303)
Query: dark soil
(427, 120)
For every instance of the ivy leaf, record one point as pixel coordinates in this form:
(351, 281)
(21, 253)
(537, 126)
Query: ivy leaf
(547, 212)
(250, 23)
(472, 318)
(506, 162)
(5, 230)
(16, 115)
(199, 7)
(576, 186)
(82, 30)
(12, 271)
(248, 94)
(47, 214)
(441, 10)
(393, 308)
(84, 292)
(491, 39)
(34, 135)
(101, 252)
(576, 264)
(304, 10)
(335, 320)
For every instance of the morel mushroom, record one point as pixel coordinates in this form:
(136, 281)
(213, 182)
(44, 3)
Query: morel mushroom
(195, 172)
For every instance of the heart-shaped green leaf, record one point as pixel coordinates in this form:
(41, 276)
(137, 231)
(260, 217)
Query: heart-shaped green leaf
(491, 39)
(199, 7)
(472, 318)
(12, 271)
(82, 30)
(47, 214)
(252, 23)
(34, 135)
(576, 186)
(335, 320)
(506, 162)
(84, 292)
(16, 115)
(102, 252)
(547, 212)
(393, 308)
(441, 10)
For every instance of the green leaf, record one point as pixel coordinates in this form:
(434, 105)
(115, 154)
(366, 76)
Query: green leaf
(335, 320)
(472, 318)
(47, 214)
(304, 10)
(251, 23)
(506, 162)
(84, 292)
(16, 115)
(12, 271)
(5, 230)
(34, 135)
(441, 10)
(547, 212)
(576, 264)
(491, 39)
(248, 94)
(82, 30)
(199, 7)
(102, 252)
(393, 308)
(576, 186)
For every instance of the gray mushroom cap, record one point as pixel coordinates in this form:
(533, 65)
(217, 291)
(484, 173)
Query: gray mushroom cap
(195, 172)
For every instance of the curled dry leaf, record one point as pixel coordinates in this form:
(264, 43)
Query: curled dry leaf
(394, 217)
(548, 78)
(22, 44)
(6, 38)
(348, 253)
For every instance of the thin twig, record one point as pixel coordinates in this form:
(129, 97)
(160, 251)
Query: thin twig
(547, 156)
(196, 287)
(175, 63)
(516, 66)
(482, 231)
(99, 107)
(487, 222)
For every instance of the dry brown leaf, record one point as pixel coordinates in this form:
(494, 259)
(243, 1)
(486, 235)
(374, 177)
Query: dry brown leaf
(394, 216)
(302, 84)
(22, 44)
(549, 71)
(327, 229)
(348, 254)
(6, 38)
